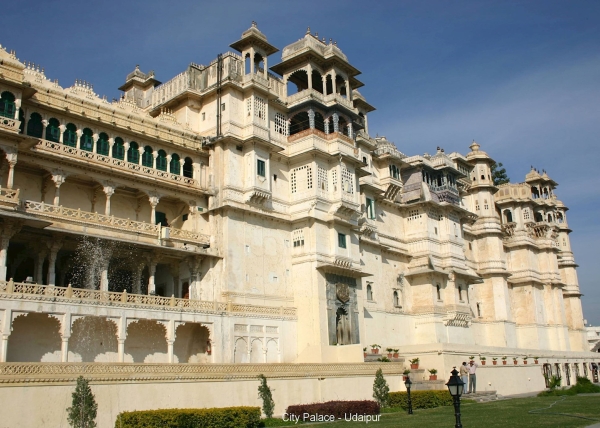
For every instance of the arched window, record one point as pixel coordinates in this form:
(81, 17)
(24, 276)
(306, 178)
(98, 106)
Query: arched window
(133, 153)
(396, 300)
(369, 292)
(7, 105)
(118, 149)
(70, 136)
(188, 168)
(508, 216)
(161, 160)
(319, 122)
(535, 194)
(175, 165)
(560, 218)
(550, 220)
(102, 146)
(53, 130)
(439, 291)
(299, 122)
(539, 217)
(147, 158)
(86, 142)
(35, 128)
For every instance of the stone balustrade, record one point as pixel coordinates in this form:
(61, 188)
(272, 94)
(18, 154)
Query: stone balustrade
(46, 146)
(139, 227)
(49, 293)
(9, 124)
(9, 195)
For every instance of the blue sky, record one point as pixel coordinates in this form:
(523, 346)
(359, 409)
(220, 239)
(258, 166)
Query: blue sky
(520, 77)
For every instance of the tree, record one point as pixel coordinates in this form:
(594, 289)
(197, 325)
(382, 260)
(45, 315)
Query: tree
(82, 413)
(499, 174)
(264, 392)
(381, 390)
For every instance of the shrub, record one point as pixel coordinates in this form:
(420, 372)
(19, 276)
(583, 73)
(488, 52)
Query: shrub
(381, 390)
(264, 392)
(583, 386)
(335, 408)
(420, 399)
(82, 413)
(227, 417)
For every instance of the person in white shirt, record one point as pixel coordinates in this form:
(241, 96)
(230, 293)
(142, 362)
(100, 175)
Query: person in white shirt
(472, 377)
(464, 375)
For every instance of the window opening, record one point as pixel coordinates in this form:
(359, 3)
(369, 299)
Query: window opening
(188, 168)
(70, 136)
(35, 128)
(7, 105)
(102, 146)
(147, 157)
(86, 142)
(341, 240)
(439, 291)
(161, 160)
(53, 130)
(370, 208)
(133, 153)
(118, 150)
(396, 300)
(161, 218)
(280, 124)
(260, 167)
(175, 164)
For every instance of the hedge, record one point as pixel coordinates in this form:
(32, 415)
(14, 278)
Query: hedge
(421, 399)
(226, 417)
(337, 409)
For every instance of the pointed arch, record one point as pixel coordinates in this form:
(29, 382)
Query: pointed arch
(102, 146)
(118, 150)
(53, 130)
(86, 141)
(70, 135)
(35, 127)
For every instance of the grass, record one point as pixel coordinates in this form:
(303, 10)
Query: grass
(512, 413)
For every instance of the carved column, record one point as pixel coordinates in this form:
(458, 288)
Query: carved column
(154, 199)
(311, 118)
(17, 107)
(121, 336)
(137, 277)
(348, 93)
(111, 143)
(152, 262)
(11, 157)
(174, 270)
(54, 247)
(326, 126)
(58, 177)
(170, 340)
(6, 330)
(336, 122)
(61, 138)
(39, 267)
(65, 335)
(309, 73)
(194, 267)
(333, 79)
(350, 131)
(109, 190)
(104, 275)
(9, 229)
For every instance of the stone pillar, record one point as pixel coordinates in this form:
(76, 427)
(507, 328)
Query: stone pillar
(4, 348)
(61, 138)
(6, 330)
(54, 247)
(170, 340)
(137, 277)
(95, 139)
(333, 79)
(311, 118)
(104, 276)
(309, 73)
(109, 190)
(152, 262)
(350, 130)
(336, 122)
(58, 178)
(9, 229)
(111, 143)
(121, 336)
(194, 267)
(326, 126)
(11, 157)
(154, 199)
(17, 107)
(170, 351)
(65, 335)
(348, 94)
(174, 270)
(39, 267)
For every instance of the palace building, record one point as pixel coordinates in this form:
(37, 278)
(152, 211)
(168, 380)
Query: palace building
(243, 212)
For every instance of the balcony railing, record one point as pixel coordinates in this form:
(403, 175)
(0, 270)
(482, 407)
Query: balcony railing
(99, 159)
(49, 293)
(140, 227)
(10, 196)
(9, 124)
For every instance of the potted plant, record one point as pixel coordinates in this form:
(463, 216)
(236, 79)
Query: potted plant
(504, 360)
(515, 361)
(414, 363)
(365, 352)
(494, 361)
(432, 374)
(525, 360)
(535, 359)
(389, 352)
(472, 359)
(482, 360)
(375, 349)
(396, 353)
(405, 373)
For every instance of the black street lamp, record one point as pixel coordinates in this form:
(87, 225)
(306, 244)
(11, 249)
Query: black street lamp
(456, 386)
(408, 383)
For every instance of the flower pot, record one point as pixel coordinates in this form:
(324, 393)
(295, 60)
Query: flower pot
(395, 355)
(483, 363)
(516, 362)
(433, 377)
(365, 354)
(414, 366)
(504, 362)
(494, 362)
(389, 355)
(525, 362)
(535, 361)
(375, 351)
(208, 352)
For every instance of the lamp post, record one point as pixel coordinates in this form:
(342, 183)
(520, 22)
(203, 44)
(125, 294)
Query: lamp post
(408, 383)
(456, 386)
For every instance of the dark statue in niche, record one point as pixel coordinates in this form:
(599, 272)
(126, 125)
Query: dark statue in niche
(342, 310)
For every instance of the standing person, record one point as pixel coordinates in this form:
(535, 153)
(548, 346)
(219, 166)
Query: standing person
(472, 377)
(464, 375)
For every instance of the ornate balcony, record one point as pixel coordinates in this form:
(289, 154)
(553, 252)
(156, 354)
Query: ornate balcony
(8, 124)
(152, 231)
(109, 163)
(49, 293)
(9, 197)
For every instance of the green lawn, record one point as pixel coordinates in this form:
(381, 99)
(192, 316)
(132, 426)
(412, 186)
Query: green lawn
(505, 414)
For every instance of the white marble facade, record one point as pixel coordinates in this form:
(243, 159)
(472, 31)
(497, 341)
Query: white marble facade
(253, 212)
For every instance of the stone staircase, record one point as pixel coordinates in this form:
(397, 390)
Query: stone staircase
(483, 396)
